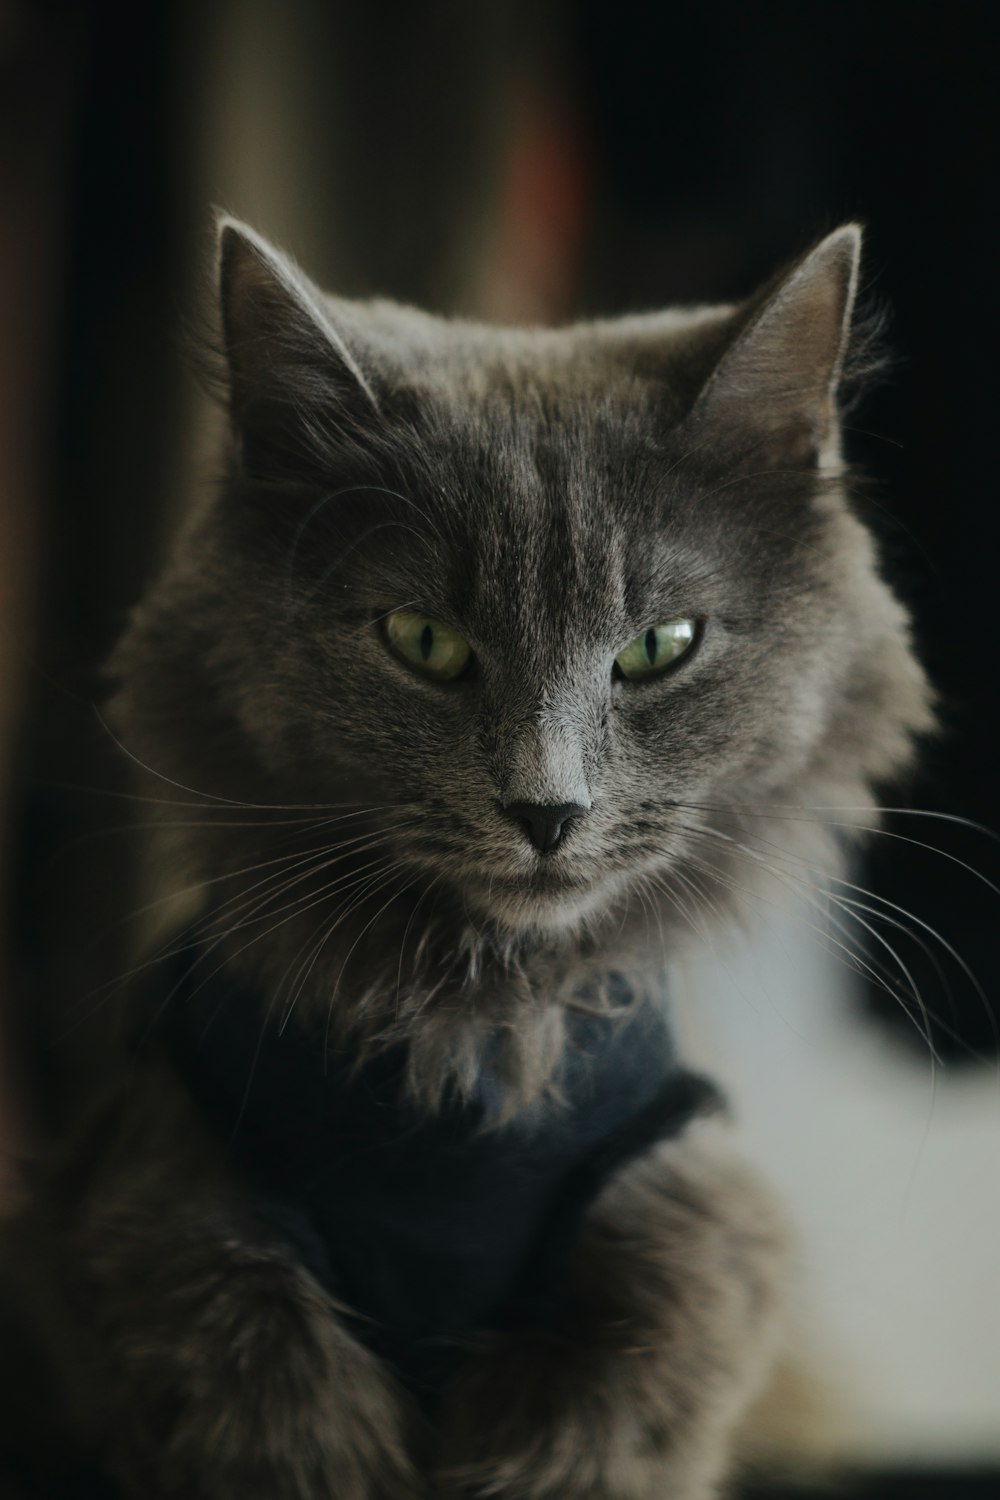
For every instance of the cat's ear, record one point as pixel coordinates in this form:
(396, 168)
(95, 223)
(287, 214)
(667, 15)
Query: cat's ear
(295, 384)
(774, 391)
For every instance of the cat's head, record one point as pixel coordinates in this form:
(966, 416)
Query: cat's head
(547, 602)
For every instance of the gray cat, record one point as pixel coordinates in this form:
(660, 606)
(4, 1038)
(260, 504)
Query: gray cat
(485, 680)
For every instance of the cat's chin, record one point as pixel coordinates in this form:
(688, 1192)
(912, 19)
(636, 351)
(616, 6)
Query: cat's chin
(529, 908)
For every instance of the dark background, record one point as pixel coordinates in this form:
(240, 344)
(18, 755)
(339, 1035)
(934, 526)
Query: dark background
(523, 161)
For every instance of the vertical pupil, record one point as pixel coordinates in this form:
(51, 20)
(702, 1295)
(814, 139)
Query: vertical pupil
(651, 646)
(426, 642)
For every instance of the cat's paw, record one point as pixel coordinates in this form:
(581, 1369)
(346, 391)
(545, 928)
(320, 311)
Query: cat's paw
(256, 1388)
(540, 1416)
(675, 1297)
(526, 1420)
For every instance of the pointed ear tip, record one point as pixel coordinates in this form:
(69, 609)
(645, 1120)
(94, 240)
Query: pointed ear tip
(233, 235)
(852, 233)
(231, 232)
(843, 243)
(230, 236)
(240, 252)
(224, 223)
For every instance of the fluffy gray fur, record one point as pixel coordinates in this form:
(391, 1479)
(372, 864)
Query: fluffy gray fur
(547, 494)
(339, 824)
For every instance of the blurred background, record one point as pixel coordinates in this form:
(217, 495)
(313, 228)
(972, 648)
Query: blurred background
(533, 162)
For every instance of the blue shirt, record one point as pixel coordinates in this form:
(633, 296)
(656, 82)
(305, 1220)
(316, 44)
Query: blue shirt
(428, 1226)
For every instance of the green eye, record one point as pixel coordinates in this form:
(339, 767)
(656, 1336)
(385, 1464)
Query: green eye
(427, 645)
(656, 649)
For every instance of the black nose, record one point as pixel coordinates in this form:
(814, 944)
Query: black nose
(544, 822)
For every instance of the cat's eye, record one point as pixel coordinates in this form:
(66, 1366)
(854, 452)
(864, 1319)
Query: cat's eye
(426, 645)
(656, 649)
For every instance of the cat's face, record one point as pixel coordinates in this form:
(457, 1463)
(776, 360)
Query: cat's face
(547, 547)
(541, 601)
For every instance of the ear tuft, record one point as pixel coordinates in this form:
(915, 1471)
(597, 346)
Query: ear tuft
(776, 385)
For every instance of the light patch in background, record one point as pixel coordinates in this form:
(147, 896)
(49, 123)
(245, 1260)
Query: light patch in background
(890, 1169)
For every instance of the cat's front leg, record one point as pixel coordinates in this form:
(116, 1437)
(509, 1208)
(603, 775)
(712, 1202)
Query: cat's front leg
(210, 1364)
(235, 1378)
(675, 1308)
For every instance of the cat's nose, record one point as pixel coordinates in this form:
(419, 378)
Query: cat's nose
(545, 822)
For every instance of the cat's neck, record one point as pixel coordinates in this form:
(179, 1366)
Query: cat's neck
(457, 995)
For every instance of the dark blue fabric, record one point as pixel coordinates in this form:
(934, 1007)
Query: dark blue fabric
(428, 1227)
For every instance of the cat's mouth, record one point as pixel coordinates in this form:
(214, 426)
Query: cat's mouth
(543, 880)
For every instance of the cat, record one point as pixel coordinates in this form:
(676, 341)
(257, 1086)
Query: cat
(485, 679)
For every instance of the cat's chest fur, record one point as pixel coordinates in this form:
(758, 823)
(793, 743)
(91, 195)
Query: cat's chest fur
(428, 1225)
